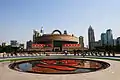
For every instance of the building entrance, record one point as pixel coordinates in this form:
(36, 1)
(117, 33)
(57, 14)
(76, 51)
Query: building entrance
(57, 45)
(57, 49)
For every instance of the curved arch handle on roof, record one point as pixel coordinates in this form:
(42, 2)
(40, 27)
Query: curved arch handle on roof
(57, 31)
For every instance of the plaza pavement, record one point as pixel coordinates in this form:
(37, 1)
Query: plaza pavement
(111, 73)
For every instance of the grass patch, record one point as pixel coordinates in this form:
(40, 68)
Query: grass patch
(19, 59)
(105, 58)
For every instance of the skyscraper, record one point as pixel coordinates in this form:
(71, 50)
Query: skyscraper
(91, 37)
(35, 34)
(81, 41)
(118, 41)
(109, 37)
(103, 39)
(29, 44)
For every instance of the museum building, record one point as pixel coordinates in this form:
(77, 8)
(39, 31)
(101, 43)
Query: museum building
(55, 42)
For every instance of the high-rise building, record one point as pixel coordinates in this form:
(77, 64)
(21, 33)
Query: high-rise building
(118, 41)
(81, 41)
(29, 44)
(91, 37)
(96, 44)
(109, 37)
(35, 34)
(114, 42)
(103, 39)
(3, 44)
(14, 43)
(21, 46)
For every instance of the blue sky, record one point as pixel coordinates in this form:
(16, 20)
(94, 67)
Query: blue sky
(19, 17)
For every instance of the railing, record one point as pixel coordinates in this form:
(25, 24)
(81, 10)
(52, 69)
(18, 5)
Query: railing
(82, 54)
